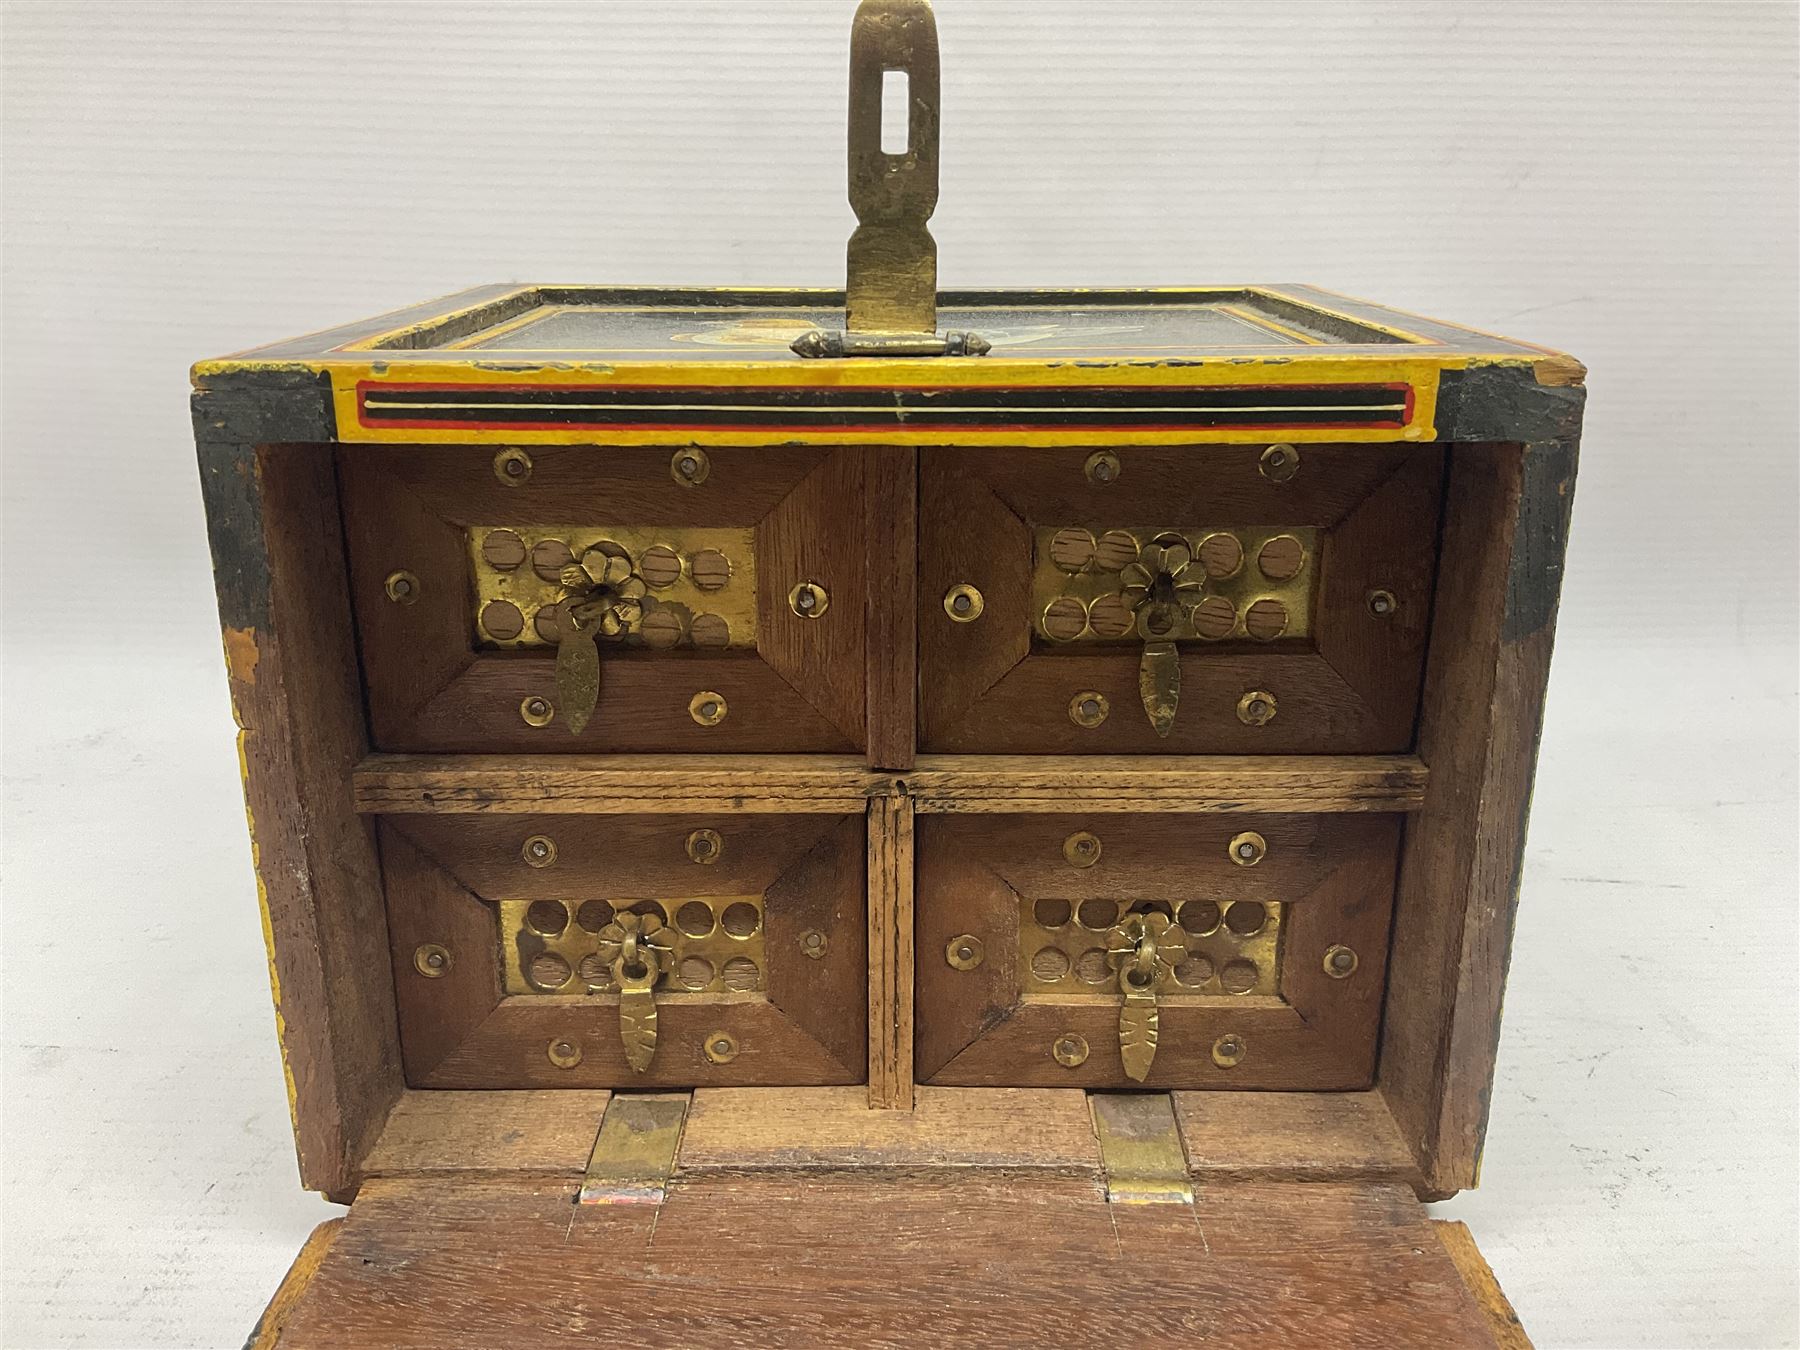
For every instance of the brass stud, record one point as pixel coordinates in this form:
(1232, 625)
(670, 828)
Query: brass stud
(1229, 1050)
(1089, 708)
(1382, 603)
(707, 708)
(512, 466)
(690, 467)
(402, 587)
(1340, 962)
(705, 847)
(564, 1052)
(432, 960)
(809, 600)
(538, 851)
(1279, 463)
(1247, 849)
(537, 710)
(1256, 708)
(1102, 468)
(965, 951)
(1070, 1050)
(813, 944)
(963, 603)
(721, 1047)
(1081, 849)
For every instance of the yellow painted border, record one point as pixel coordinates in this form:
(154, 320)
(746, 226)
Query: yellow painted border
(1302, 368)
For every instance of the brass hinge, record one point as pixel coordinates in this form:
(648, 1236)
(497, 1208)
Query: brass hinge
(634, 1154)
(1140, 1148)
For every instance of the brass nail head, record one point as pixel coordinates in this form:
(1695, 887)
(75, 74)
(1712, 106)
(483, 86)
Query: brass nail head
(1256, 708)
(402, 587)
(690, 467)
(963, 603)
(1279, 463)
(705, 846)
(432, 960)
(1089, 708)
(537, 710)
(538, 851)
(512, 466)
(564, 1052)
(1070, 1050)
(1228, 1051)
(1340, 962)
(707, 708)
(965, 951)
(809, 600)
(1382, 603)
(1081, 849)
(1247, 849)
(721, 1047)
(1102, 468)
(813, 944)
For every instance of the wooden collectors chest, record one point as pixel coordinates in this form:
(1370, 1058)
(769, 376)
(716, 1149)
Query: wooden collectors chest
(797, 816)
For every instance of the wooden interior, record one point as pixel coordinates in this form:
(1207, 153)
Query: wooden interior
(295, 684)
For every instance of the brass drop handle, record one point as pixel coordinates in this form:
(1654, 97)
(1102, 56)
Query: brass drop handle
(1142, 949)
(1162, 587)
(604, 598)
(639, 949)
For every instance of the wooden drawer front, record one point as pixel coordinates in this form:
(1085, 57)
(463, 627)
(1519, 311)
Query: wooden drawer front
(1015, 987)
(457, 571)
(497, 924)
(1294, 607)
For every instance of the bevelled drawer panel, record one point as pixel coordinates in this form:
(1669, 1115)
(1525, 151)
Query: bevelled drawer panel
(1104, 950)
(604, 598)
(1195, 600)
(620, 951)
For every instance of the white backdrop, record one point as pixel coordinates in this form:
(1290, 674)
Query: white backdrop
(1618, 180)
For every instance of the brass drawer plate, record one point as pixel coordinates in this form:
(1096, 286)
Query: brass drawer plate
(552, 946)
(1227, 584)
(696, 587)
(1233, 949)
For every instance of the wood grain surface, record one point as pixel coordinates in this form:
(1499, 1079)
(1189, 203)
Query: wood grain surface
(807, 1129)
(989, 1258)
(1292, 1136)
(613, 784)
(891, 474)
(430, 1133)
(890, 953)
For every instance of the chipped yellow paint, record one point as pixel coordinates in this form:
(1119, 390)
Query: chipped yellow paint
(241, 655)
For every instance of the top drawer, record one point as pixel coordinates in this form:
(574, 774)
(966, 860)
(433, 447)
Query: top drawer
(1192, 600)
(726, 588)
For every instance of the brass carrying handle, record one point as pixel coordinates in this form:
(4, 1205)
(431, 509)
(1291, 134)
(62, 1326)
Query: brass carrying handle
(890, 291)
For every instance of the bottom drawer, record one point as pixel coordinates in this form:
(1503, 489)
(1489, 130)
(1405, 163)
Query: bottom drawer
(535, 951)
(1168, 951)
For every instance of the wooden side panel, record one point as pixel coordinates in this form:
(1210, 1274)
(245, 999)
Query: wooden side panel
(1506, 524)
(891, 953)
(1292, 1136)
(886, 1262)
(290, 655)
